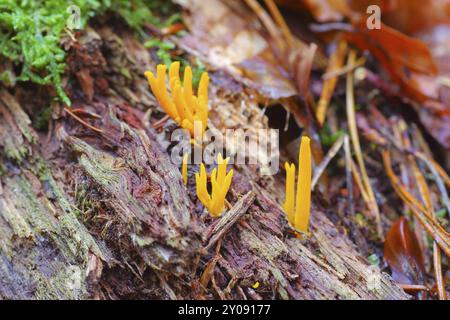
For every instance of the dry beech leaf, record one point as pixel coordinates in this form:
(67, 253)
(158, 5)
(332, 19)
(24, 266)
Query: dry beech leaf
(403, 14)
(267, 76)
(328, 10)
(399, 14)
(403, 254)
(412, 67)
(228, 36)
(436, 114)
(408, 61)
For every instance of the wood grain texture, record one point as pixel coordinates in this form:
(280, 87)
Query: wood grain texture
(106, 215)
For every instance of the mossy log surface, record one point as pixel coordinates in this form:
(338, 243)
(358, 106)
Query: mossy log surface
(104, 214)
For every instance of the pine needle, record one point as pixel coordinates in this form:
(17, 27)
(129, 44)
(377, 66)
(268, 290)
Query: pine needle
(351, 118)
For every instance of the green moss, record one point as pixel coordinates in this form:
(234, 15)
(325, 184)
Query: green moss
(197, 71)
(69, 283)
(361, 220)
(441, 213)
(8, 78)
(13, 152)
(30, 33)
(78, 240)
(162, 49)
(374, 259)
(136, 13)
(164, 53)
(327, 138)
(42, 118)
(32, 210)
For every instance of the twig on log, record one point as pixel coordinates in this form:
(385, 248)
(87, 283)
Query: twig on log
(228, 219)
(323, 165)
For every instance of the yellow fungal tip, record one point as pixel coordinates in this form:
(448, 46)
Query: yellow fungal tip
(148, 74)
(184, 168)
(220, 184)
(305, 139)
(297, 209)
(181, 104)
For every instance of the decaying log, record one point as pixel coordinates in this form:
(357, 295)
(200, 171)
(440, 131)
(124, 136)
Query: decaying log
(45, 250)
(105, 214)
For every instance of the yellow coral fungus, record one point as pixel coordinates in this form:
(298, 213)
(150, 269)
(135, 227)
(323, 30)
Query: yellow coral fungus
(184, 168)
(182, 106)
(298, 210)
(220, 183)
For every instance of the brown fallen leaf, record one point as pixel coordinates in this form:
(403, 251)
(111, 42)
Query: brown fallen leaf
(403, 16)
(328, 10)
(243, 39)
(411, 65)
(403, 254)
(412, 48)
(407, 60)
(437, 123)
(398, 14)
(267, 76)
(436, 116)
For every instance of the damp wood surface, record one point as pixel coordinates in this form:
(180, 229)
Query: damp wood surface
(93, 204)
(104, 214)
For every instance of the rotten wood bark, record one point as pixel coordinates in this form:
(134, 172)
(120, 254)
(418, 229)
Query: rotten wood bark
(86, 214)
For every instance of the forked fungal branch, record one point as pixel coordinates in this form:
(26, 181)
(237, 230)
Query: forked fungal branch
(220, 183)
(181, 104)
